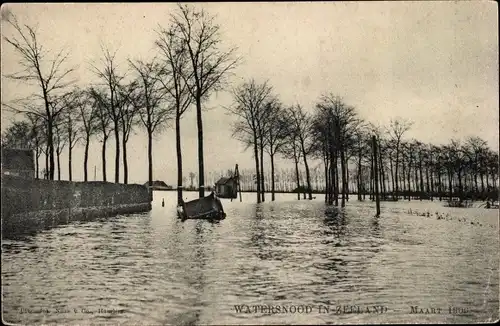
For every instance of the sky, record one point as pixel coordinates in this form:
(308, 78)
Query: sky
(434, 63)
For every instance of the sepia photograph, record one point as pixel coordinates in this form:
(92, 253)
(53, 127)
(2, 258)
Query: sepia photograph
(256, 163)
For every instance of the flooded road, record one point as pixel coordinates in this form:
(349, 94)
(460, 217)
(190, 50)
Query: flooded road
(277, 262)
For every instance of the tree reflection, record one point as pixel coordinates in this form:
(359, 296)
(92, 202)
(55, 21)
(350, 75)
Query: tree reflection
(267, 234)
(335, 221)
(192, 258)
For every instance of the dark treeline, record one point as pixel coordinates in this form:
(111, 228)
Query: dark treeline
(335, 134)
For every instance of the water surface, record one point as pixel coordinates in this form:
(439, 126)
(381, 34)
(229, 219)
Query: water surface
(154, 269)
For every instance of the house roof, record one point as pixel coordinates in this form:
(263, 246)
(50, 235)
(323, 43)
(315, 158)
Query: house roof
(156, 183)
(223, 181)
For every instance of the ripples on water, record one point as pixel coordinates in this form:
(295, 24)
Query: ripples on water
(155, 269)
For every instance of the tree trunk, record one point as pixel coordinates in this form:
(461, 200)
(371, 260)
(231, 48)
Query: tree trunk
(150, 159)
(86, 158)
(327, 179)
(396, 172)
(415, 181)
(476, 183)
(272, 178)
(460, 189)
(440, 188)
(104, 141)
(46, 174)
(347, 179)
(427, 183)
(70, 165)
(117, 152)
(179, 158)
(408, 176)
(58, 166)
(296, 171)
(421, 178)
(257, 167)
(263, 187)
(372, 168)
(37, 151)
(359, 176)
(482, 182)
(403, 167)
(50, 145)
(432, 182)
(376, 171)
(336, 180)
(331, 162)
(392, 178)
(308, 175)
(201, 167)
(125, 163)
(450, 186)
(383, 189)
(344, 181)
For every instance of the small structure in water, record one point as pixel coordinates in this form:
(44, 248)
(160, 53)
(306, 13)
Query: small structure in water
(226, 187)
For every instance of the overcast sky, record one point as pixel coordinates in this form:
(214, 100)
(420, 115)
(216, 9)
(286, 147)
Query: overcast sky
(435, 63)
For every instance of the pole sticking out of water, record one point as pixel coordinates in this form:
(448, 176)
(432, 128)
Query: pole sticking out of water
(375, 172)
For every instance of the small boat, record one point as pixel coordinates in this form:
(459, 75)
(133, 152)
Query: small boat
(206, 208)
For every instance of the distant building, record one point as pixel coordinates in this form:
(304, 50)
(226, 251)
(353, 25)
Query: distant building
(226, 188)
(158, 185)
(18, 162)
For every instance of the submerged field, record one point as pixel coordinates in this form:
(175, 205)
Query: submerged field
(265, 259)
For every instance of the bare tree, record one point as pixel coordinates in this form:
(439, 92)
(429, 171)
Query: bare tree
(276, 136)
(154, 114)
(70, 121)
(39, 138)
(175, 66)
(475, 150)
(291, 148)
(103, 124)
(111, 79)
(209, 64)
(46, 73)
(337, 123)
(396, 130)
(249, 100)
(87, 110)
(61, 140)
(301, 124)
(129, 102)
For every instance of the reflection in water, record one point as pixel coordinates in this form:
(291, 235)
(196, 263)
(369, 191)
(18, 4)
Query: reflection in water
(157, 269)
(335, 222)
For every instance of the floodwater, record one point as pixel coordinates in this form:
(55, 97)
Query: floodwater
(310, 266)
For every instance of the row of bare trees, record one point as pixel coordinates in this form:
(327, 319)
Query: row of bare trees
(335, 134)
(188, 67)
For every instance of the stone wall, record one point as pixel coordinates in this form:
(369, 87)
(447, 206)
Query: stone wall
(34, 204)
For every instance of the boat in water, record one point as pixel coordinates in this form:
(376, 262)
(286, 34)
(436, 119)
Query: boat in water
(206, 208)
